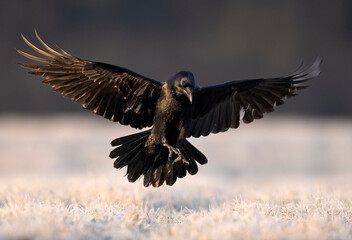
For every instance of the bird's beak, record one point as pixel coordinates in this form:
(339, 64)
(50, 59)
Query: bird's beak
(189, 94)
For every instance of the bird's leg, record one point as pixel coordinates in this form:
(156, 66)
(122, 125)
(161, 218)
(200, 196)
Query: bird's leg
(172, 150)
(177, 152)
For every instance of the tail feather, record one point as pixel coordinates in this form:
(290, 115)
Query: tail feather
(122, 161)
(195, 153)
(143, 156)
(169, 175)
(135, 169)
(129, 138)
(147, 177)
(126, 148)
(192, 167)
(157, 178)
(179, 169)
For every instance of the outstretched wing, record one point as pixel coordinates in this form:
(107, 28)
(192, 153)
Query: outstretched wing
(218, 108)
(113, 92)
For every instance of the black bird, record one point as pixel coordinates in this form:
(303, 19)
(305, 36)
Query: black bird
(176, 109)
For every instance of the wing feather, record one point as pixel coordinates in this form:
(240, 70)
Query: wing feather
(113, 92)
(217, 108)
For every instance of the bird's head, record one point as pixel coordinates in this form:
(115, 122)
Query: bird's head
(183, 83)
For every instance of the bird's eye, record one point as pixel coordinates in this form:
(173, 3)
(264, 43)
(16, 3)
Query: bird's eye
(185, 84)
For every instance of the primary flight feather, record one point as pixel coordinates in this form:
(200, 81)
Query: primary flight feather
(175, 109)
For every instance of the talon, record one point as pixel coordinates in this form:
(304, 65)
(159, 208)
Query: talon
(179, 158)
(177, 152)
(185, 161)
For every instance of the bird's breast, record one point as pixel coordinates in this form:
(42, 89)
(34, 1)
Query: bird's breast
(172, 115)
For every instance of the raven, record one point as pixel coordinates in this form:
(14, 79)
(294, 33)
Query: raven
(175, 109)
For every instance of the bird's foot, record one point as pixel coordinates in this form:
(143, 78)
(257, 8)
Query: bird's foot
(178, 153)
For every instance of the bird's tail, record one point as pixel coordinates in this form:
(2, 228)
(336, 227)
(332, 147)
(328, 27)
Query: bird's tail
(143, 156)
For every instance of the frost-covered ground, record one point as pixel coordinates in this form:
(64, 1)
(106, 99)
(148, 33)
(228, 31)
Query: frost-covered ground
(277, 178)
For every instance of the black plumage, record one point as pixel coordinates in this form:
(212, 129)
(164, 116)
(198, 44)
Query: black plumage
(175, 109)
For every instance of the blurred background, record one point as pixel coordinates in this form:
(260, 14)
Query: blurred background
(216, 40)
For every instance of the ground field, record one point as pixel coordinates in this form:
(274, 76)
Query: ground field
(277, 178)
